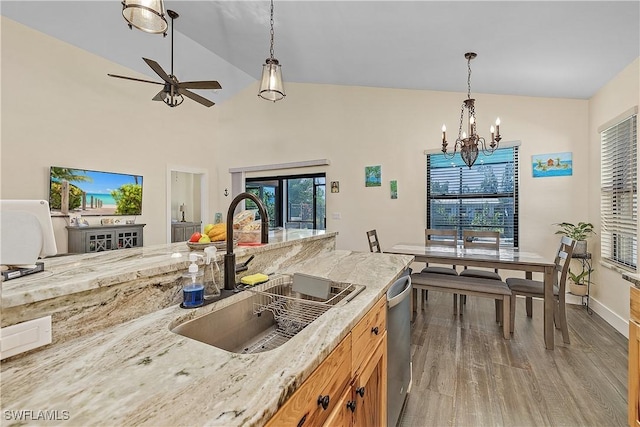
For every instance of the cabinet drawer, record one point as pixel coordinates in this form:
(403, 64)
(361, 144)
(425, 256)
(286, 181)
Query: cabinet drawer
(635, 304)
(368, 332)
(329, 379)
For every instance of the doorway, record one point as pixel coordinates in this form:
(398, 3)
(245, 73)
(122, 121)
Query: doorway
(187, 190)
(292, 201)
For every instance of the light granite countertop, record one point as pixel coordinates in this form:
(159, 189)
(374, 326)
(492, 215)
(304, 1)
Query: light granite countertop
(140, 373)
(69, 274)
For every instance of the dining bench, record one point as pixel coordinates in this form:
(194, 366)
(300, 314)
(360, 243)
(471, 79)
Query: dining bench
(487, 288)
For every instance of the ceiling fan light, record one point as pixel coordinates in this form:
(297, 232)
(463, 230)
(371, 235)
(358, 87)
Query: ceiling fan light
(271, 86)
(145, 15)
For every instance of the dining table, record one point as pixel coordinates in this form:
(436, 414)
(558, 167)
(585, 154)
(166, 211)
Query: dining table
(503, 259)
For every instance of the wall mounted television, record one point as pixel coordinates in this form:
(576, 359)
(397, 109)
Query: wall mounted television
(95, 192)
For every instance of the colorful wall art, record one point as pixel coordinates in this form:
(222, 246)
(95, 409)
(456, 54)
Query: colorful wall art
(554, 164)
(394, 189)
(373, 176)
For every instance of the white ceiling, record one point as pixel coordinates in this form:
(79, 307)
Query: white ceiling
(567, 49)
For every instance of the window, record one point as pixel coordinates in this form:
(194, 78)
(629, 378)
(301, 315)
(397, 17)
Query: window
(619, 193)
(296, 201)
(483, 197)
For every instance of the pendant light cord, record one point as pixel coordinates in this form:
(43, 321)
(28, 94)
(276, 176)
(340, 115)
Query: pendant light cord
(271, 32)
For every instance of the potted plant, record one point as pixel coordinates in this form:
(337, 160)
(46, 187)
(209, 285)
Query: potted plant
(577, 282)
(578, 232)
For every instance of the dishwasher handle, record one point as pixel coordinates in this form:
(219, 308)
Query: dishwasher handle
(400, 290)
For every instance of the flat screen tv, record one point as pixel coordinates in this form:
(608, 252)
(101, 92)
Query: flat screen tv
(94, 192)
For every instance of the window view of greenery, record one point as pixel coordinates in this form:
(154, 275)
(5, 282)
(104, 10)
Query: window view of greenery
(292, 202)
(483, 197)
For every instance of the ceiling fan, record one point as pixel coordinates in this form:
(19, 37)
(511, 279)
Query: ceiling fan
(173, 90)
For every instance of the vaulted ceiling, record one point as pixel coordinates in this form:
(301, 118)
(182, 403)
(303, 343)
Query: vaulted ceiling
(567, 49)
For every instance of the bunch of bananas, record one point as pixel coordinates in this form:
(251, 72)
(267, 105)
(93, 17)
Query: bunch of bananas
(217, 232)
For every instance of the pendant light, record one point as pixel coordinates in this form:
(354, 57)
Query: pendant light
(145, 15)
(271, 87)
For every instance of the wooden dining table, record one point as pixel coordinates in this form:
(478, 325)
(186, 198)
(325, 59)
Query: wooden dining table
(504, 259)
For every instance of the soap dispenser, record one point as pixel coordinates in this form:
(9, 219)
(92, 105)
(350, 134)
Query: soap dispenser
(193, 289)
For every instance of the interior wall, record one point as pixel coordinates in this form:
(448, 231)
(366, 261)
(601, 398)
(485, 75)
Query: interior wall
(619, 95)
(59, 107)
(355, 127)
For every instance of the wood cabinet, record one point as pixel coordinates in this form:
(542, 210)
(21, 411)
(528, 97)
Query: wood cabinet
(104, 238)
(634, 359)
(181, 231)
(349, 388)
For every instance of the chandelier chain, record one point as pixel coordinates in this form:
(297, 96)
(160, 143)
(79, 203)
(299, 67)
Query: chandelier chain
(469, 78)
(271, 32)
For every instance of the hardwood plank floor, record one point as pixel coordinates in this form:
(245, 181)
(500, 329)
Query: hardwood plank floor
(466, 374)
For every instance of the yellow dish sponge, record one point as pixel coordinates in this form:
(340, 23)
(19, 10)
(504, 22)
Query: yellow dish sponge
(254, 279)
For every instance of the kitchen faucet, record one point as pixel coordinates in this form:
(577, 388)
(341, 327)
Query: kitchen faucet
(230, 268)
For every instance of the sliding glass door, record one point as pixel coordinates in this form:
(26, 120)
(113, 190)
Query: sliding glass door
(296, 201)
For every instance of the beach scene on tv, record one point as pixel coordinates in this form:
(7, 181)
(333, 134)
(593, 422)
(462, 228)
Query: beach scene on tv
(90, 192)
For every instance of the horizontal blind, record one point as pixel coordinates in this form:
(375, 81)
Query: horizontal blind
(483, 197)
(619, 194)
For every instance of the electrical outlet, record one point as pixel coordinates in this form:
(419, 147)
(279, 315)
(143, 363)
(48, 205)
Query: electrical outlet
(336, 215)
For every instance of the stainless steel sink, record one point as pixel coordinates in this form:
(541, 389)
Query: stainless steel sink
(269, 316)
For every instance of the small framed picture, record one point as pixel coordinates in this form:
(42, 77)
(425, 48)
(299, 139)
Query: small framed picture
(335, 186)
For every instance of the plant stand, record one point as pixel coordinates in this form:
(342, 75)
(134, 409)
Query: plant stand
(585, 260)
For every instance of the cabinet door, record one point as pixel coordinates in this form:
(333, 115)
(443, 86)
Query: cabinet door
(98, 241)
(342, 415)
(317, 397)
(634, 373)
(370, 389)
(129, 238)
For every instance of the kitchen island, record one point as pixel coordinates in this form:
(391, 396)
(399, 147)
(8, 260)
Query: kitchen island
(138, 372)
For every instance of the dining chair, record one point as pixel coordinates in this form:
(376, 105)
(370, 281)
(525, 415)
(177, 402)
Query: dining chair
(476, 239)
(437, 237)
(534, 288)
(374, 244)
(440, 237)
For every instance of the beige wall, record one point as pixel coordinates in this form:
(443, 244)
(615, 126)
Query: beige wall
(60, 108)
(616, 97)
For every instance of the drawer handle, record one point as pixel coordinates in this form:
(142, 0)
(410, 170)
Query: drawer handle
(375, 330)
(360, 391)
(351, 405)
(323, 401)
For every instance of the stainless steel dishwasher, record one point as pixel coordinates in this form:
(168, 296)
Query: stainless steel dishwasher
(398, 347)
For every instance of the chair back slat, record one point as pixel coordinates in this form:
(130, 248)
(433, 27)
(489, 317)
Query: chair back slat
(374, 244)
(481, 239)
(563, 259)
(438, 237)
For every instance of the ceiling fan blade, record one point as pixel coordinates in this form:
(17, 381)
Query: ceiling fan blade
(134, 79)
(200, 85)
(195, 97)
(158, 69)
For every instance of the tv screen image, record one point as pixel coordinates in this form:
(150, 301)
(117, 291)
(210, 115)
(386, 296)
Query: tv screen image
(95, 192)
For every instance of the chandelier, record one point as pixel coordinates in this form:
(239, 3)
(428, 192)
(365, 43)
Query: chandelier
(471, 144)
(271, 87)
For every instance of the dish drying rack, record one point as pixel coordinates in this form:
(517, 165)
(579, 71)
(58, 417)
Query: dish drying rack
(292, 311)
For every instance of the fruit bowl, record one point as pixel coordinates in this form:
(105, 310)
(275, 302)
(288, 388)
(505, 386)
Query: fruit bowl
(221, 245)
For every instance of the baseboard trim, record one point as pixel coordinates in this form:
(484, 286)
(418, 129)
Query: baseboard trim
(619, 324)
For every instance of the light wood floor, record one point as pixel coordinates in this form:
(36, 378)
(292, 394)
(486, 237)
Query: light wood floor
(466, 374)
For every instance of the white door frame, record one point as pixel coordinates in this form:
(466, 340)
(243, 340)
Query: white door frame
(204, 192)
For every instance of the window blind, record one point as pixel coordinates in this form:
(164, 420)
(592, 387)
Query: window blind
(483, 197)
(619, 194)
